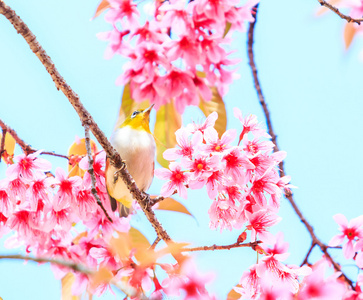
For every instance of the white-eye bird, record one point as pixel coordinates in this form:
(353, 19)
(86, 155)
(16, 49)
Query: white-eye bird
(136, 145)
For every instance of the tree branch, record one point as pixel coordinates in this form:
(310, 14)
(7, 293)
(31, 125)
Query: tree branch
(27, 149)
(336, 10)
(288, 193)
(142, 198)
(71, 265)
(223, 247)
(2, 144)
(92, 172)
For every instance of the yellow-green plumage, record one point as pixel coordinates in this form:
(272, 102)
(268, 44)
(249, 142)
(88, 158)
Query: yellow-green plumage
(136, 145)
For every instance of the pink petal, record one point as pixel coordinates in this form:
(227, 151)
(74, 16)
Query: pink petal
(348, 250)
(341, 220)
(163, 173)
(336, 240)
(171, 154)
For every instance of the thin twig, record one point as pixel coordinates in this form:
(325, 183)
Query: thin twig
(288, 193)
(27, 149)
(336, 10)
(222, 247)
(142, 198)
(2, 144)
(122, 286)
(305, 261)
(92, 172)
(71, 265)
(157, 240)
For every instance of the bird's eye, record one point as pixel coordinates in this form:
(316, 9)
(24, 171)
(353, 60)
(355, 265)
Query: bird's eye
(134, 114)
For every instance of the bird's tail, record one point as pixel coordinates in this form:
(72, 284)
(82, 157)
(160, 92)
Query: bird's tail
(123, 210)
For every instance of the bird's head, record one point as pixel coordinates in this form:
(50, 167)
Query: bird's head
(139, 120)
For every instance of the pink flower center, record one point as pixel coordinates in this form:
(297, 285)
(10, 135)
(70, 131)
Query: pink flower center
(26, 163)
(38, 187)
(177, 176)
(3, 195)
(66, 186)
(350, 233)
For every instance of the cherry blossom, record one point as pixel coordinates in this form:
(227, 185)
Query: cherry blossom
(351, 231)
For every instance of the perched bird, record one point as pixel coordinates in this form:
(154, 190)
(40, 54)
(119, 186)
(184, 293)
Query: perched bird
(136, 145)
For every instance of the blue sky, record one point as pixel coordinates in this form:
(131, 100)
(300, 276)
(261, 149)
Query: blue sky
(313, 88)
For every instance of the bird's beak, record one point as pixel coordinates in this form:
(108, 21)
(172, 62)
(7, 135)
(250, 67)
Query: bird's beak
(148, 110)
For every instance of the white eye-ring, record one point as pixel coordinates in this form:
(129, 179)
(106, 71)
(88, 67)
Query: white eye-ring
(134, 114)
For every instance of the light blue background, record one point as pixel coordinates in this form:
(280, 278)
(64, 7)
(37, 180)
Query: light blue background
(313, 88)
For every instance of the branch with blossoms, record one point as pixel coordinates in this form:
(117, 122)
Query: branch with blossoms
(315, 240)
(85, 117)
(240, 170)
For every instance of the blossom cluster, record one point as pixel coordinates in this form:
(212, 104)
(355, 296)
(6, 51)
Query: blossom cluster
(270, 278)
(178, 52)
(57, 217)
(242, 181)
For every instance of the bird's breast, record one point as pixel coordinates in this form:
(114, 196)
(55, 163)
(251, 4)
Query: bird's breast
(137, 149)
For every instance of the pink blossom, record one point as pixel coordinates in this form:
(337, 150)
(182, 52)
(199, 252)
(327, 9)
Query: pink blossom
(250, 284)
(222, 214)
(6, 206)
(85, 204)
(190, 283)
(256, 145)
(315, 286)
(200, 166)
(65, 195)
(186, 48)
(39, 189)
(99, 163)
(26, 165)
(214, 144)
(266, 183)
(259, 223)
(122, 9)
(19, 221)
(186, 143)
(115, 38)
(175, 15)
(17, 189)
(236, 164)
(149, 32)
(209, 122)
(174, 83)
(177, 180)
(213, 184)
(250, 124)
(351, 231)
(204, 91)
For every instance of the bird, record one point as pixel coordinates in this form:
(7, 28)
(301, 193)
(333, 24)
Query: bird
(135, 143)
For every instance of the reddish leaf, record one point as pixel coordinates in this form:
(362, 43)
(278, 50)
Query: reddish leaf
(349, 32)
(9, 147)
(67, 282)
(215, 104)
(101, 8)
(233, 295)
(173, 205)
(103, 275)
(168, 120)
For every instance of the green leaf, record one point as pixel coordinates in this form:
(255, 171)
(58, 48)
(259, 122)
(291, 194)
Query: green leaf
(168, 120)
